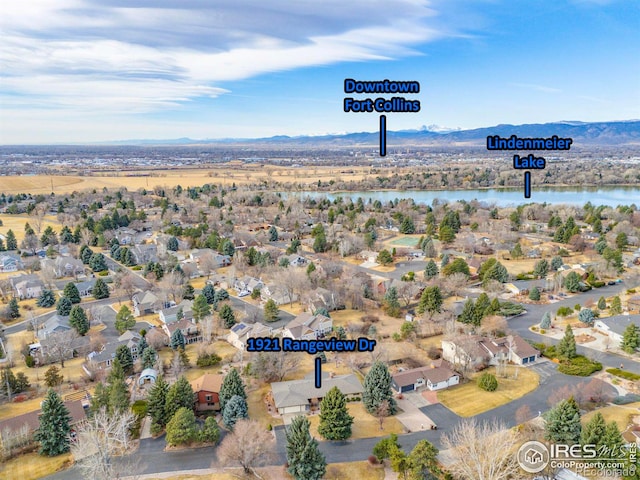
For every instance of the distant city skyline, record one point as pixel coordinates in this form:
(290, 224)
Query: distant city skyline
(105, 70)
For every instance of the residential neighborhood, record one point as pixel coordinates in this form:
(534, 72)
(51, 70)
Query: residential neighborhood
(172, 321)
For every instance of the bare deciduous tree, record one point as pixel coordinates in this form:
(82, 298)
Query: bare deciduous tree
(171, 286)
(61, 345)
(249, 446)
(99, 440)
(482, 451)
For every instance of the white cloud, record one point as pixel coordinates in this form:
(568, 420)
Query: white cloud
(123, 56)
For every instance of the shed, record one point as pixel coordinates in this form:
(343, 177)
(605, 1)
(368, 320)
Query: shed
(148, 375)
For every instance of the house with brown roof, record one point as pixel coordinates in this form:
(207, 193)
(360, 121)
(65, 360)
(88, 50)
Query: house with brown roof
(476, 351)
(31, 421)
(207, 390)
(189, 329)
(432, 377)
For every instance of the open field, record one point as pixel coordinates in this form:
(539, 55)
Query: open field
(620, 414)
(468, 399)
(16, 222)
(335, 471)
(364, 425)
(33, 466)
(220, 175)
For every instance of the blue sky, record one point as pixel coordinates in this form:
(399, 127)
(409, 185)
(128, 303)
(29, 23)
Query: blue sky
(100, 70)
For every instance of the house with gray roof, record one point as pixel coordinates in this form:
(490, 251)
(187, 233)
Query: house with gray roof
(144, 303)
(616, 325)
(10, 262)
(85, 288)
(104, 358)
(170, 315)
(300, 396)
(54, 324)
(307, 326)
(27, 286)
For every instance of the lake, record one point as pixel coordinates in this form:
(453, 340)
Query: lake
(610, 196)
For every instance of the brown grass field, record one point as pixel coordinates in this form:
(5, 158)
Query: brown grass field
(364, 424)
(16, 222)
(224, 175)
(469, 399)
(33, 466)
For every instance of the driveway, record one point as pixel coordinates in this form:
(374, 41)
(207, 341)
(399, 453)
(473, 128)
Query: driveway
(412, 417)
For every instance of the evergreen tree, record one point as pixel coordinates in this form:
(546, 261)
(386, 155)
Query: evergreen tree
(407, 226)
(423, 461)
(148, 359)
(612, 437)
(177, 339)
(123, 354)
(220, 296)
(602, 303)
(556, 263)
(541, 268)
(228, 316)
(335, 421)
(209, 293)
(446, 234)
(586, 316)
(200, 308)
(142, 344)
(54, 429)
(124, 320)
(12, 243)
(534, 294)
(270, 311)
(180, 394)
(53, 377)
(13, 308)
(118, 390)
(430, 270)
(2, 247)
(340, 332)
(482, 307)
(428, 248)
(231, 385)
(71, 292)
(563, 423)
(567, 346)
(616, 306)
(496, 272)
(377, 389)
(97, 262)
(100, 290)
(64, 306)
(385, 447)
(78, 320)
(273, 234)
(630, 338)
(210, 432)
(234, 410)
(157, 404)
(182, 429)
(172, 244)
(189, 292)
(516, 252)
(593, 433)
(46, 299)
(545, 323)
(391, 303)
(468, 314)
(430, 301)
(572, 282)
(384, 257)
(457, 266)
(305, 460)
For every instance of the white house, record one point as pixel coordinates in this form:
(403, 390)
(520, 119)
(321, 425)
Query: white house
(10, 262)
(307, 326)
(616, 325)
(432, 377)
(300, 396)
(27, 286)
(170, 315)
(240, 332)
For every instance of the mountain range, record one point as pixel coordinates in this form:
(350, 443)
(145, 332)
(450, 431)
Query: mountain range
(594, 133)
